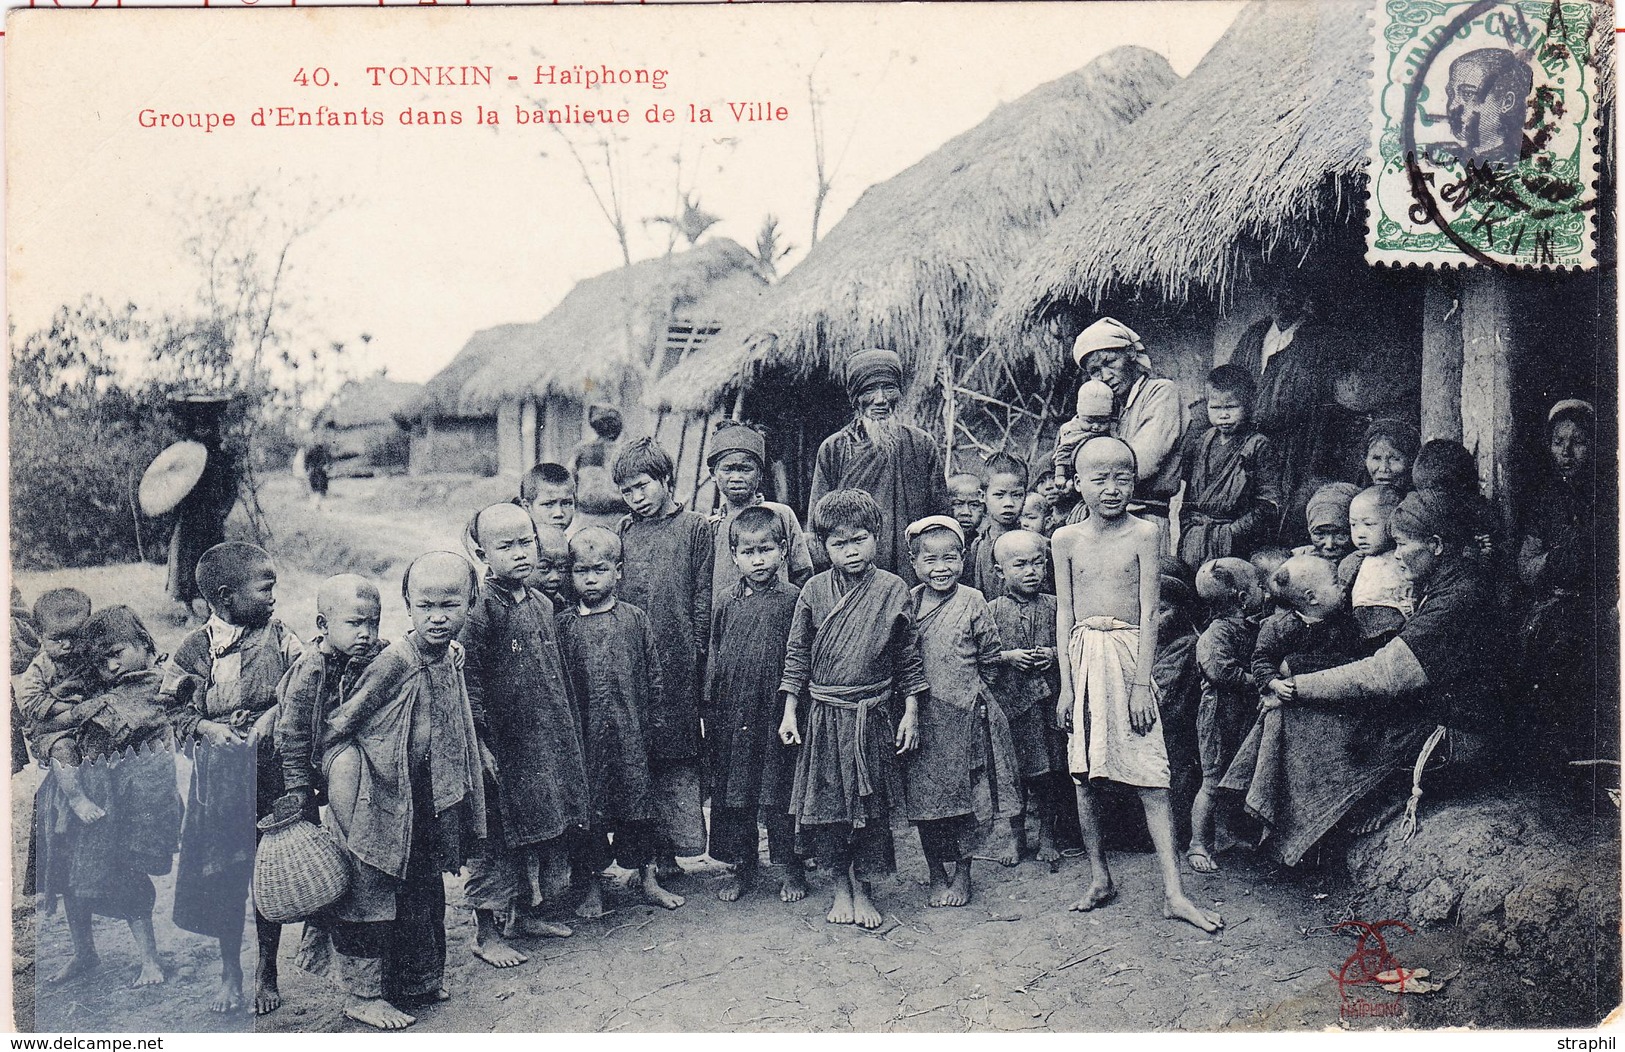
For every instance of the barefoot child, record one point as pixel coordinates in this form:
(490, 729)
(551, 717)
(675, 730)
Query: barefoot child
(220, 686)
(402, 768)
(1379, 591)
(961, 780)
(668, 566)
(525, 718)
(751, 770)
(56, 680)
(102, 862)
(1027, 681)
(1235, 597)
(738, 461)
(613, 664)
(1106, 574)
(851, 651)
(1006, 495)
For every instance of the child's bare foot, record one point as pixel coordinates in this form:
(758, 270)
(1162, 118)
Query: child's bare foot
(1006, 852)
(736, 883)
(84, 809)
(958, 893)
(840, 911)
(1178, 907)
(267, 998)
(794, 886)
(864, 914)
(229, 998)
(593, 905)
(939, 886)
(537, 928)
(1201, 858)
(494, 950)
(1047, 852)
(378, 1013)
(151, 974)
(79, 964)
(1099, 894)
(654, 894)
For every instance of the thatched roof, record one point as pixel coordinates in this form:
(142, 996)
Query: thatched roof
(918, 261)
(361, 403)
(605, 328)
(1260, 147)
(442, 393)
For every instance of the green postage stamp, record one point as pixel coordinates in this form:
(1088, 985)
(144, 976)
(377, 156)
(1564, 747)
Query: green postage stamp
(1484, 132)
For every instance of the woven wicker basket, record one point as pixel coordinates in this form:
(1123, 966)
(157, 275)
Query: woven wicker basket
(299, 869)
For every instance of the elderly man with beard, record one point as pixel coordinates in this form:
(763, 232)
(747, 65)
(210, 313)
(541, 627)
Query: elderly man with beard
(1150, 415)
(894, 462)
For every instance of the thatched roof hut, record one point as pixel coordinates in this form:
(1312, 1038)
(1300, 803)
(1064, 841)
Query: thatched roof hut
(441, 395)
(918, 262)
(1279, 106)
(363, 403)
(603, 332)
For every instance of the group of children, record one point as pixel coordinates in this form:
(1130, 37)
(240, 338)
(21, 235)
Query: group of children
(569, 697)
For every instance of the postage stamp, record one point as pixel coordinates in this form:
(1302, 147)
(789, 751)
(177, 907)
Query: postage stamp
(1484, 129)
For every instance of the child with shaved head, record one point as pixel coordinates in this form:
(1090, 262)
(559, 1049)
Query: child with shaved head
(551, 577)
(406, 800)
(613, 667)
(1317, 631)
(220, 686)
(1108, 586)
(56, 680)
(1028, 681)
(524, 716)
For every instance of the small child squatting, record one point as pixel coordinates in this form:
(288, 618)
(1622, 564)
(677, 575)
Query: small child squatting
(1107, 582)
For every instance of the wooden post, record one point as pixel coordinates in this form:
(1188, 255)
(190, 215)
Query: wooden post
(1441, 358)
(1486, 383)
(948, 407)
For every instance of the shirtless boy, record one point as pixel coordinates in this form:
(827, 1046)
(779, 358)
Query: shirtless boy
(1107, 587)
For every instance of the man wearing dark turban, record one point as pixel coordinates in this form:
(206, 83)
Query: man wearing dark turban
(895, 462)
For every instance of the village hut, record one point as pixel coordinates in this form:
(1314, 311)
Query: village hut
(916, 265)
(444, 436)
(358, 426)
(522, 391)
(1256, 165)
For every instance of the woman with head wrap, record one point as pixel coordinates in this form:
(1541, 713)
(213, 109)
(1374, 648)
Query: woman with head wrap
(1150, 413)
(1349, 737)
(1558, 563)
(895, 462)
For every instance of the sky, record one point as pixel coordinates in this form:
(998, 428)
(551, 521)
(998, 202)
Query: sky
(428, 234)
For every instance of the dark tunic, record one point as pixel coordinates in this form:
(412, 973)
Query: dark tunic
(750, 767)
(524, 714)
(906, 481)
(1312, 647)
(852, 651)
(965, 764)
(1229, 696)
(1306, 765)
(129, 772)
(1294, 390)
(233, 784)
(313, 687)
(200, 523)
(1028, 698)
(1232, 495)
(614, 670)
(666, 565)
(984, 573)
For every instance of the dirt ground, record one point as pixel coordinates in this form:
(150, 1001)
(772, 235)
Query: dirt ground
(1014, 959)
